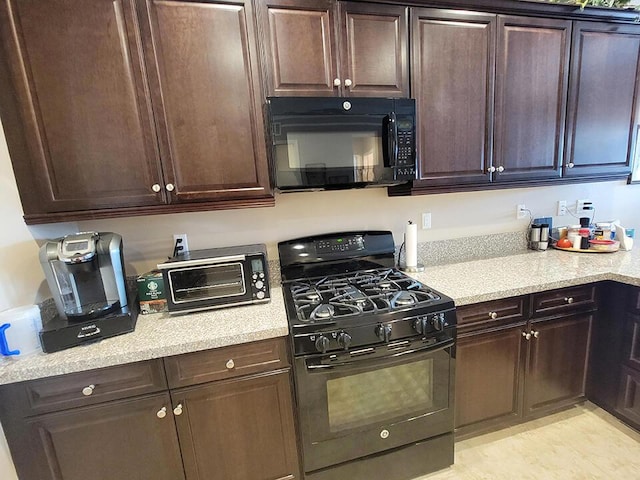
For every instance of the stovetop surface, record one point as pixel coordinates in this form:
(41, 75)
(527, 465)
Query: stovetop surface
(331, 299)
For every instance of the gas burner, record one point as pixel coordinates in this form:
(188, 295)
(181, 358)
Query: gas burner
(403, 299)
(384, 285)
(313, 296)
(323, 312)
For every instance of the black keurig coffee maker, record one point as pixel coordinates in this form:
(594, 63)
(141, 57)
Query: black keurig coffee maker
(85, 272)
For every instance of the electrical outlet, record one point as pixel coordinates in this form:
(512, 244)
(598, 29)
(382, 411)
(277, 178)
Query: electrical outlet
(562, 208)
(426, 221)
(180, 244)
(583, 206)
(521, 211)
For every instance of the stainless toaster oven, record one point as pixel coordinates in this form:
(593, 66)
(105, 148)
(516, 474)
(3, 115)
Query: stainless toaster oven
(216, 278)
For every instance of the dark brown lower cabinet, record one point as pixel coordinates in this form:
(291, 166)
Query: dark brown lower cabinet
(557, 368)
(507, 373)
(488, 379)
(237, 429)
(124, 439)
(628, 405)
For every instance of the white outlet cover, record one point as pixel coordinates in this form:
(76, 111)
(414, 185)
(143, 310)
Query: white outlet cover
(426, 221)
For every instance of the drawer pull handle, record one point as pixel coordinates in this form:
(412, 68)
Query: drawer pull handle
(178, 410)
(162, 412)
(493, 315)
(535, 333)
(88, 390)
(568, 299)
(230, 364)
(526, 335)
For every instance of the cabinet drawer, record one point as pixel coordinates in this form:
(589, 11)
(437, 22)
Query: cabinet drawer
(84, 388)
(226, 362)
(564, 301)
(491, 314)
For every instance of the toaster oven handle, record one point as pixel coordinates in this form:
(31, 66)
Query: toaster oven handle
(203, 261)
(366, 359)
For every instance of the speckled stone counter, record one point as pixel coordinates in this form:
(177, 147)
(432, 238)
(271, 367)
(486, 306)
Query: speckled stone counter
(469, 282)
(159, 335)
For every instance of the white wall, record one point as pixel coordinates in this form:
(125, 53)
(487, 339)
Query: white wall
(148, 240)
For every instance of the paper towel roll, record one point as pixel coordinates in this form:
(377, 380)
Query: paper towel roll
(411, 244)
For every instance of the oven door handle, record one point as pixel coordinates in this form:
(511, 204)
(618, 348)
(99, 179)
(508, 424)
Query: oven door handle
(365, 359)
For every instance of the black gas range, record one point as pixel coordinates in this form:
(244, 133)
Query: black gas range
(374, 359)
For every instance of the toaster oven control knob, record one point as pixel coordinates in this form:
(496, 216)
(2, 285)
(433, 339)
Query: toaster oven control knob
(344, 340)
(322, 343)
(260, 295)
(384, 332)
(259, 284)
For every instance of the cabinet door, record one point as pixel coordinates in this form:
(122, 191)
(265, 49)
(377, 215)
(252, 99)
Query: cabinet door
(602, 109)
(74, 105)
(489, 368)
(116, 440)
(206, 94)
(300, 47)
(631, 347)
(557, 367)
(531, 92)
(452, 68)
(238, 429)
(374, 50)
(629, 396)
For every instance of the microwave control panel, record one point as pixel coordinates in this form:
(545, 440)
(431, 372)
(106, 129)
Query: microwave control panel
(406, 160)
(259, 277)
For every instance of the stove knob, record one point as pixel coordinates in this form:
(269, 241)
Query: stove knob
(420, 325)
(438, 321)
(322, 343)
(344, 340)
(384, 332)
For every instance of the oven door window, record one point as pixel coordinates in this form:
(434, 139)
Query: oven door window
(336, 402)
(206, 282)
(403, 389)
(323, 153)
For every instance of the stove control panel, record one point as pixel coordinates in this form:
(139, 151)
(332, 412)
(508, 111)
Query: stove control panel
(340, 244)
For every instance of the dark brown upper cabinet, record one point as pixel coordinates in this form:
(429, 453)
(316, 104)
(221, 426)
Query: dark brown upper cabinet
(532, 70)
(203, 71)
(491, 95)
(330, 48)
(602, 121)
(453, 62)
(115, 108)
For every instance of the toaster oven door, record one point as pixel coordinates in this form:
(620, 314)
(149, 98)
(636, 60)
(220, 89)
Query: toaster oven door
(207, 285)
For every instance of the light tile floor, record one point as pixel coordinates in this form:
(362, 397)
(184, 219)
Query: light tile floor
(583, 443)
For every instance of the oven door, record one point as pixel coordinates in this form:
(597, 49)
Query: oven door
(361, 402)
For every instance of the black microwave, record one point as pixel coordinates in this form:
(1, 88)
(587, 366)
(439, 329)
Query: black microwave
(321, 143)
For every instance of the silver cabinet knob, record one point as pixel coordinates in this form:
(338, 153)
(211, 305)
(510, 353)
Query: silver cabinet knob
(568, 299)
(493, 315)
(170, 187)
(178, 409)
(526, 335)
(162, 412)
(88, 390)
(570, 165)
(230, 364)
(336, 82)
(156, 187)
(491, 169)
(348, 82)
(535, 333)
(500, 169)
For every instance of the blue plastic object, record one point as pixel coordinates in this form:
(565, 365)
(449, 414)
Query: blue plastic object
(4, 346)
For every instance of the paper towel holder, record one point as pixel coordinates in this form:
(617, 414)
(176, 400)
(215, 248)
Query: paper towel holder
(403, 266)
(418, 268)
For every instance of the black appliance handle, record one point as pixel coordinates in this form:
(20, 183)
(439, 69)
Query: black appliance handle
(391, 135)
(364, 359)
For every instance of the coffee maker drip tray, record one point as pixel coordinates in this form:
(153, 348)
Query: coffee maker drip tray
(59, 333)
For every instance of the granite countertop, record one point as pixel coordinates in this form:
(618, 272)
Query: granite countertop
(160, 335)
